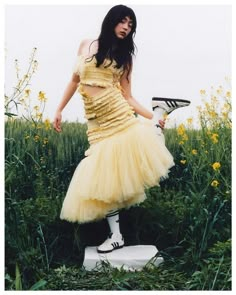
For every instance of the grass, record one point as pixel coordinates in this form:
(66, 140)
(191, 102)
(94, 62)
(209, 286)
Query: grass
(185, 218)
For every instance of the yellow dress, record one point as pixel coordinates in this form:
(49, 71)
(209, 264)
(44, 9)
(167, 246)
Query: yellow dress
(125, 154)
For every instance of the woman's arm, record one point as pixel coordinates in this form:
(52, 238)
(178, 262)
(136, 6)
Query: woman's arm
(138, 108)
(69, 92)
(126, 86)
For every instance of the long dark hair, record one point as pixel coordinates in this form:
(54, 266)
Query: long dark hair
(125, 48)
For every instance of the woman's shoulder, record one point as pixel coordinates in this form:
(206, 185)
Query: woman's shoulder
(88, 47)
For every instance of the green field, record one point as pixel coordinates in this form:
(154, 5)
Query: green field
(188, 218)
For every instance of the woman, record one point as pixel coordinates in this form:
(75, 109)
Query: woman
(125, 155)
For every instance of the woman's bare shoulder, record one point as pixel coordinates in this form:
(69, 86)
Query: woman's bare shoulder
(88, 47)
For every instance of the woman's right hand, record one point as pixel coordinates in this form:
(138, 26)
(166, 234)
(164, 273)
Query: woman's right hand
(57, 122)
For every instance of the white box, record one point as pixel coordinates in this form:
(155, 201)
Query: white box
(129, 258)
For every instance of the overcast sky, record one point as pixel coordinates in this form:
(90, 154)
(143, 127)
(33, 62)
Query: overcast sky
(181, 49)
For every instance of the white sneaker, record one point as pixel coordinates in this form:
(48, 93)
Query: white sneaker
(168, 104)
(114, 241)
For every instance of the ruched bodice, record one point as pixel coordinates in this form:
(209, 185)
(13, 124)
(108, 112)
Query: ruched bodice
(102, 76)
(107, 112)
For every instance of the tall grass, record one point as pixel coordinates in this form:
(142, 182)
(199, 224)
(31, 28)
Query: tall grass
(184, 218)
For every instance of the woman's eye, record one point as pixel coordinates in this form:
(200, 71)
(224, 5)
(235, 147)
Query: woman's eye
(123, 21)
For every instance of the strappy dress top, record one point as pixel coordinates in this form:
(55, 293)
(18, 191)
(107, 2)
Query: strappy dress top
(102, 76)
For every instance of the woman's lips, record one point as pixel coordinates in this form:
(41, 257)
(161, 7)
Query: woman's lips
(123, 34)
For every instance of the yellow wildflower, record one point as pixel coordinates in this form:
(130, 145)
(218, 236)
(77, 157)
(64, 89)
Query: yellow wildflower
(190, 121)
(214, 137)
(183, 162)
(47, 124)
(35, 66)
(27, 92)
(215, 183)
(199, 108)
(41, 96)
(216, 166)
(202, 92)
(194, 152)
(181, 129)
(36, 108)
(214, 100)
(212, 114)
(219, 90)
(36, 138)
(22, 100)
(227, 106)
(185, 137)
(228, 94)
(225, 115)
(45, 140)
(27, 137)
(39, 115)
(181, 142)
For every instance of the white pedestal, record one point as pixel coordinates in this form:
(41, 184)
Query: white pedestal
(130, 258)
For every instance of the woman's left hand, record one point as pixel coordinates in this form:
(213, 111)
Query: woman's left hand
(162, 123)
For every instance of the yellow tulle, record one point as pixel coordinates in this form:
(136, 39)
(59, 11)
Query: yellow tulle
(116, 172)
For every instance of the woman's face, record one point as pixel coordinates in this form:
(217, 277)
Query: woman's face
(123, 28)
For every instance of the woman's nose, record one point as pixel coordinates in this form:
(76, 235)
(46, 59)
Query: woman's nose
(125, 26)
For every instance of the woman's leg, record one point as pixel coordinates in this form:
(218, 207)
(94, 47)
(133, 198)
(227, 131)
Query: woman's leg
(113, 221)
(115, 239)
(164, 106)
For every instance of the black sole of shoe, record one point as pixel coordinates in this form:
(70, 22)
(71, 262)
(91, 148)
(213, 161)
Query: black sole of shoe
(109, 251)
(170, 99)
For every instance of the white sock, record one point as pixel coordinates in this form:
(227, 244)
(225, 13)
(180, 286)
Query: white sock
(158, 114)
(113, 221)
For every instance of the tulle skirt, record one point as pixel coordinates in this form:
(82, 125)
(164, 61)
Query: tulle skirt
(116, 171)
